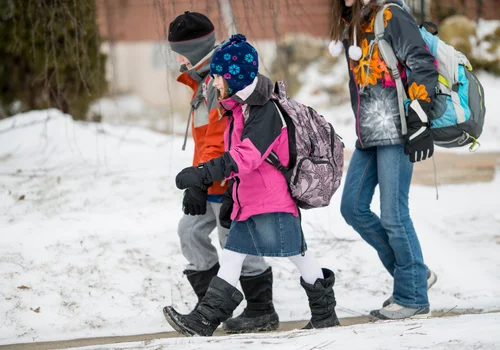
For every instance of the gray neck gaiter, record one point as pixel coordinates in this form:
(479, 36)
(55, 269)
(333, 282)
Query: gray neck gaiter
(194, 50)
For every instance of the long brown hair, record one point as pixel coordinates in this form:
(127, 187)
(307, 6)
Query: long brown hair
(339, 23)
(222, 96)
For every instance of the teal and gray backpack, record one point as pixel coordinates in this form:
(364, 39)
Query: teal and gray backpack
(457, 115)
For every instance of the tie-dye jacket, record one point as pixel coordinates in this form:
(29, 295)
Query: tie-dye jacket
(373, 90)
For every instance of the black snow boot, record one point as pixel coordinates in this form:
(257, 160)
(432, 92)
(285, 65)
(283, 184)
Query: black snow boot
(217, 305)
(321, 301)
(259, 314)
(200, 280)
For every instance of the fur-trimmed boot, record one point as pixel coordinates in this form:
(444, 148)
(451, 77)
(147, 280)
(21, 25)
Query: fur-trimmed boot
(218, 304)
(321, 301)
(259, 314)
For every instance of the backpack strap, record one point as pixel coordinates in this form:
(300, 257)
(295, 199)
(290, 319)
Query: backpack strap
(272, 158)
(195, 102)
(430, 27)
(280, 89)
(391, 60)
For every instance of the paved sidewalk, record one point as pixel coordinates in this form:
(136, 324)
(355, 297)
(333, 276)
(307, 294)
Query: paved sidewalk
(284, 326)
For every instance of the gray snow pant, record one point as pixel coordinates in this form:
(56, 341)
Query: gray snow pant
(197, 246)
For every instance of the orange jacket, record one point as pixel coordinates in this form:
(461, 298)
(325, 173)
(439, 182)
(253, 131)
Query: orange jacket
(206, 128)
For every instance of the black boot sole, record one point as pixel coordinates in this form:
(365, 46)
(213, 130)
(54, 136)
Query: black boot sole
(309, 325)
(269, 325)
(172, 318)
(267, 328)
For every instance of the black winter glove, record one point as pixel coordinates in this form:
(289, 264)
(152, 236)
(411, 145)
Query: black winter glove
(194, 177)
(195, 201)
(226, 208)
(419, 143)
(205, 174)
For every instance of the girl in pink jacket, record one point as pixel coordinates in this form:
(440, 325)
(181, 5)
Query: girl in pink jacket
(265, 218)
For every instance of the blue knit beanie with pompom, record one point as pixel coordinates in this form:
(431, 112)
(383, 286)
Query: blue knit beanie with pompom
(236, 61)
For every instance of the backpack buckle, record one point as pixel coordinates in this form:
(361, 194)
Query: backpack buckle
(280, 167)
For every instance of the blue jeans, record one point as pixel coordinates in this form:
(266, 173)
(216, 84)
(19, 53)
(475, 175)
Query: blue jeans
(392, 235)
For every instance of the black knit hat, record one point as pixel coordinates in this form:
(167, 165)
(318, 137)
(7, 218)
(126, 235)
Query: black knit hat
(192, 35)
(188, 26)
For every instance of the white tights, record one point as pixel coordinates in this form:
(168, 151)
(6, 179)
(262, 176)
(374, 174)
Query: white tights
(231, 263)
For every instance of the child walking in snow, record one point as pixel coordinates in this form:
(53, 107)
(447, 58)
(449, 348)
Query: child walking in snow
(192, 36)
(265, 218)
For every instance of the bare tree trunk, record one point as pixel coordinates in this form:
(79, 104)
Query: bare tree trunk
(227, 16)
(111, 42)
(479, 12)
(463, 6)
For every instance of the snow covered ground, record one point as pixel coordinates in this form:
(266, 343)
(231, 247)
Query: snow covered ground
(88, 243)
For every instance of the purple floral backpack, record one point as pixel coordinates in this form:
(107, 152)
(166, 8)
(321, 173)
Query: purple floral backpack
(316, 152)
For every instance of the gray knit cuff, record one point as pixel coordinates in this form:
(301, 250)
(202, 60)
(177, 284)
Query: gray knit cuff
(194, 50)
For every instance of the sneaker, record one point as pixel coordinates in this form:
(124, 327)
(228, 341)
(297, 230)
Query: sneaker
(397, 312)
(431, 280)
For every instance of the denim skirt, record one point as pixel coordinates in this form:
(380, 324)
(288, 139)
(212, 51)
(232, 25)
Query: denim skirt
(271, 234)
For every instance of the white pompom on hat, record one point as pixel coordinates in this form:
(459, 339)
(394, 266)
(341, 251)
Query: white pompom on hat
(335, 47)
(355, 51)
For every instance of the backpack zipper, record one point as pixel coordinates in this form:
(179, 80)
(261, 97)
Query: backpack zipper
(332, 133)
(332, 137)
(454, 140)
(296, 178)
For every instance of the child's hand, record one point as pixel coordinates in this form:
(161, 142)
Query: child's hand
(193, 177)
(195, 201)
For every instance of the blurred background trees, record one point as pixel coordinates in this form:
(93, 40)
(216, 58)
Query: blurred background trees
(50, 56)
(67, 54)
